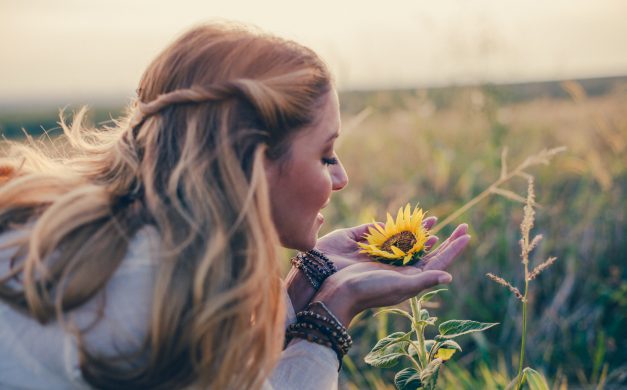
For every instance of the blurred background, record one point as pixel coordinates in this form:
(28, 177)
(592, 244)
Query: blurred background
(436, 91)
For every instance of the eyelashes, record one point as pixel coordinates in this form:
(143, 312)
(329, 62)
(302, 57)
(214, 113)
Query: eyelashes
(329, 160)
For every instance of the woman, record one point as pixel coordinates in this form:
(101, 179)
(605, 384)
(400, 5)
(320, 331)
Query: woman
(145, 255)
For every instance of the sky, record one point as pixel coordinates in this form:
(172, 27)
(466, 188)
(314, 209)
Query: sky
(93, 49)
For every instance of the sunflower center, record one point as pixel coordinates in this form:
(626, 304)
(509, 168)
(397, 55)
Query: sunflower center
(404, 241)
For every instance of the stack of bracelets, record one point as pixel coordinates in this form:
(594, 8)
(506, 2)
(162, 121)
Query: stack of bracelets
(324, 329)
(321, 329)
(315, 265)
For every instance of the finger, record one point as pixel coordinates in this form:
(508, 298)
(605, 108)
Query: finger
(429, 222)
(459, 231)
(357, 232)
(431, 241)
(444, 259)
(414, 284)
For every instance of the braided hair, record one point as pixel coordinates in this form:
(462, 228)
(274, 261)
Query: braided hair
(187, 160)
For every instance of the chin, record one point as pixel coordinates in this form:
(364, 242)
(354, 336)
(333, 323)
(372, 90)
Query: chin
(302, 244)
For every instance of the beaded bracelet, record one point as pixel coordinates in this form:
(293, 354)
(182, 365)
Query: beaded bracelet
(335, 329)
(321, 329)
(343, 342)
(315, 265)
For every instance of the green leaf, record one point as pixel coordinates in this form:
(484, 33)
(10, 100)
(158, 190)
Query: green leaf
(432, 369)
(535, 380)
(451, 344)
(453, 328)
(429, 344)
(396, 311)
(389, 350)
(427, 296)
(407, 379)
(425, 319)
(447, 344)
(444, 353)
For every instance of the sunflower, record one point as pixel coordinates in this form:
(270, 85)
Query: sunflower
(400, 242)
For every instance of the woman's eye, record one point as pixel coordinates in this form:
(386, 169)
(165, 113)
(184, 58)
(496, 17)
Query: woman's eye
(329, 160)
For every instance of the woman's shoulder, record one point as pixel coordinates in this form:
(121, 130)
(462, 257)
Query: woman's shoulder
(125, 302)
(143, 249)
(114, 321)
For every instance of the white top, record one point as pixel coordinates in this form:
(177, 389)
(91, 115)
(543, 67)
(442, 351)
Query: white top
(35, 356)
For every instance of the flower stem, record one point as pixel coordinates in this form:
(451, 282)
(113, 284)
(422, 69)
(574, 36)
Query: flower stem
(420, 337)
(524, 334)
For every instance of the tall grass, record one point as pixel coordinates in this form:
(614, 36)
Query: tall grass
(442, 152)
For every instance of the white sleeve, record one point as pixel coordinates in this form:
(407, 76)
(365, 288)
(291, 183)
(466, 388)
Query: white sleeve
(304, 365)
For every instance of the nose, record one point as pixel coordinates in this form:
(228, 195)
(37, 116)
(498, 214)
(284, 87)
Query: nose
(339, 176)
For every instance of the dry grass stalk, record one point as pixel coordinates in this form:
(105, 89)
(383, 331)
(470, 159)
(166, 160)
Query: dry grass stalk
(526, 246)
(507, 284)
(544, 157)
(541, 267)
(509, 195)
(535, 242)
(527, 225)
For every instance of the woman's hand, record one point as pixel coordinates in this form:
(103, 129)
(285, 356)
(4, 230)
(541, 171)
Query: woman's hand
(369, 284)
(341, 245)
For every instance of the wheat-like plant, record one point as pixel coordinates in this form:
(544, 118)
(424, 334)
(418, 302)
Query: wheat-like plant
(526, 246)
(427, 356)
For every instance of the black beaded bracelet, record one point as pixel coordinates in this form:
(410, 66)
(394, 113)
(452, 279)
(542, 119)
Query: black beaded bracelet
(320, 329)
(315, 265)
(343, 341)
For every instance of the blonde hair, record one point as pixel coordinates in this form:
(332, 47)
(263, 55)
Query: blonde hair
(188, 160)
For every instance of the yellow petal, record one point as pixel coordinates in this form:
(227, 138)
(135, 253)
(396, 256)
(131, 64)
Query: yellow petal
(419, 233)
(375, 236)
(417, 247)
(389, 225)
(362, 245)
(379, 227)
(387, 255)
(416, 218)
(407, 258)
(399, 218)
(444, 353)
(407, 217)
(397, 251)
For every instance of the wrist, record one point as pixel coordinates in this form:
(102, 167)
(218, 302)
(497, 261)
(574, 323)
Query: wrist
(299, 289)
(309, 271)
(338, 299)
(318, 324)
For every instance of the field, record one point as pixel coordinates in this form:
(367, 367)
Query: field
(441, 147)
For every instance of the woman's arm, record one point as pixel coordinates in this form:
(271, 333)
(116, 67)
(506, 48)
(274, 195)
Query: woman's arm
(299, 289)
(303, 365)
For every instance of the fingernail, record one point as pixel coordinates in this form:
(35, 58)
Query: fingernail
(445, 278)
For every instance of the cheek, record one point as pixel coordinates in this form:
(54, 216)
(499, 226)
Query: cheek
(323, 188)
(313, 189)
